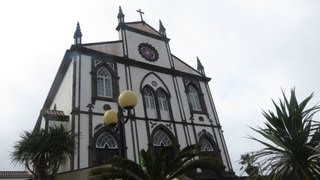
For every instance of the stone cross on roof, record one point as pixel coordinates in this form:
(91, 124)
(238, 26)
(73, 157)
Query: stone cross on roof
(140, 12)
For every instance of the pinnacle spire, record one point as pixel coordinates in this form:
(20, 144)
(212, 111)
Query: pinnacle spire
(120, 15)
(77, 35)
(162, 29)
(200, 68)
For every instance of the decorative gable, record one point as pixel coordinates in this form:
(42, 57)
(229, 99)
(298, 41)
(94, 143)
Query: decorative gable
(183, 67)
(112, 47)
(142, 26)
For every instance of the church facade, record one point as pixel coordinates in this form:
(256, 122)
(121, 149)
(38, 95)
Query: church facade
(175, 105)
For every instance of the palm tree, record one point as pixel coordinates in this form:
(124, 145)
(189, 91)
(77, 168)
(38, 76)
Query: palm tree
(292, 149)
(43, 151)
(247, 162)
(157, 167)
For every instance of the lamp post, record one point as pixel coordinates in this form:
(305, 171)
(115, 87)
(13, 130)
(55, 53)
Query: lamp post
(127, 100)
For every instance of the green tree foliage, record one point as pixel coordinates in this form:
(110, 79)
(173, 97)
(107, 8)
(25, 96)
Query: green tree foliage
(157, 167)
(42, 152)
(293, 137)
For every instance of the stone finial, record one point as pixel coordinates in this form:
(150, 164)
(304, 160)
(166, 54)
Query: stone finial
(120, 15)
(77, 35)
(200, 68)
(162, 29)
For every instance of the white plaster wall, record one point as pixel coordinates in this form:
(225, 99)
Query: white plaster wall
(142, 135)
(150, 78)
(191, 133)
(76, 59)
(184, 98)
(221, 146)
(122, 75)
(136, 76)
(207, 102)
(65, 167)
(132, 141)
(84, 140)
(181, 136)
(177, 108)
(197, 121)
(134, 39)
(63, 101)
(63, 98)
(98, 106)
(130, 153)
(43, 123)
(76, 149)
(85, 89)
(96, 120)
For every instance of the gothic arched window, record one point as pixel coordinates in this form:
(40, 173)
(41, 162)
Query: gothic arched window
(106, 139)
(160, 138)
(106, 148)
(206, 146)
(209, 147)
(163, 105)
(104, 82)
(194, 98)
(150, 103)
(163, 102)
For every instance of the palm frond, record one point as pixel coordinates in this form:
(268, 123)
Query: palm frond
(211, 163)
(292, 149)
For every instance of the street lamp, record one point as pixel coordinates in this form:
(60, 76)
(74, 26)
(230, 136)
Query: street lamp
(127, 100)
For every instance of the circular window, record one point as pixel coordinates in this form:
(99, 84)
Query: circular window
(148, 52)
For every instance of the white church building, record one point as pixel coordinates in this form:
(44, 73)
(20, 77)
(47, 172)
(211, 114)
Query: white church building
(175, 105)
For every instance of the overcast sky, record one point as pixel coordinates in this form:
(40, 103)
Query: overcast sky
(250, 48)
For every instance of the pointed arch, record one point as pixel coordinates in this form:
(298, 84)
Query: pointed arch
(161, 93)
(208, 145)
(210, 148)
(162, 101)
(194, 98)
(164, 130)
(149, 98)
(164, 105)
(166, 89)
(162, 137)
(105, 146)
(149, 102)
(104, 84)
(106, 140)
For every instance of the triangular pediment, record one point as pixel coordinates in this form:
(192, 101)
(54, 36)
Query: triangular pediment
(112, 47)
(184, 67)
(142, 26)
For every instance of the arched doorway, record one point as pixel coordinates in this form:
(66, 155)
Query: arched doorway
(106, 146)
(163, 138)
